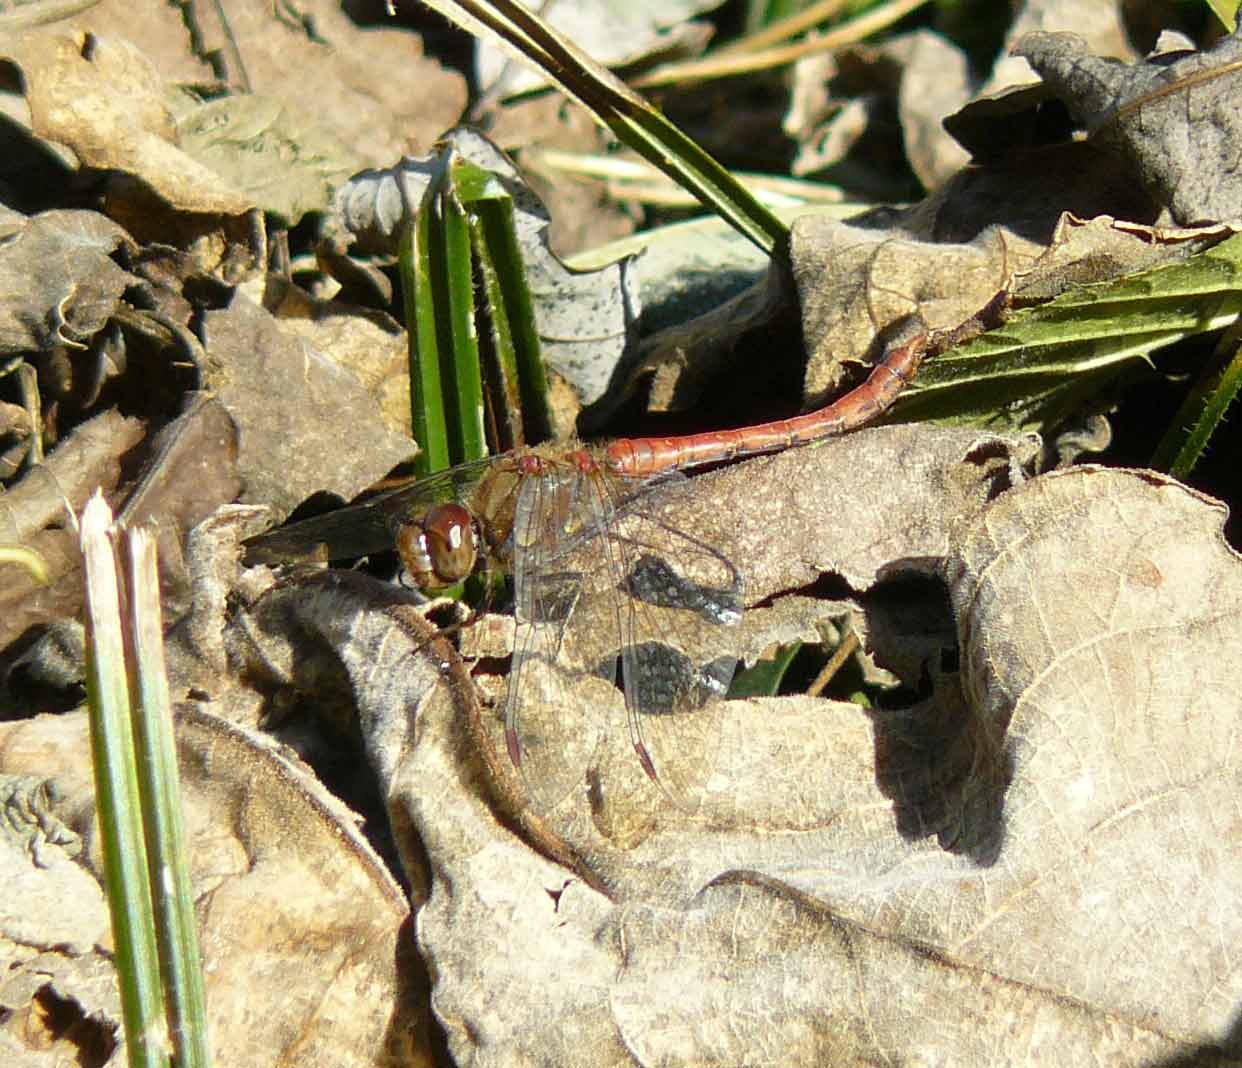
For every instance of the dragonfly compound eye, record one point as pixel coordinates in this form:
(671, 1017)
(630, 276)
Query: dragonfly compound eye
(439, 548)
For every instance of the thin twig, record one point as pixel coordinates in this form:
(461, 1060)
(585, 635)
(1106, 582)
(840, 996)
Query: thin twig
(847, 648)
(726, 66)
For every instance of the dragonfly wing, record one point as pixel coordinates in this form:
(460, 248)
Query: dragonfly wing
(601, 579)
(680, 595)
(549, 729)
(362, 528)
(347, 532)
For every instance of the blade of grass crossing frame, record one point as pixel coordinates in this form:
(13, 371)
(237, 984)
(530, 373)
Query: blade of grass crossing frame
(1202, 411)
(117, 799)
(463, 374)
(422, 327)
(630, 117)
(522, 384)
(446, 396)
(159, 786)
(1226, 11)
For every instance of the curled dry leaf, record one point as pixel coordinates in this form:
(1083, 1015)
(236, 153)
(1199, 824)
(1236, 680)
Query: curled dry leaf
(58, 281)
(853, 282)
(1099, 615)
(1098, 22)
(305, 937)
(1173, 118)
(923, 882)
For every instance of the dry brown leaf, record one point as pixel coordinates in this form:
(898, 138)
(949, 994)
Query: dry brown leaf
(302, 930)
(905, 885)
(839, 99)
(275, 152)
(1171, 119)
(305, 424)
(935, 82)
(854, 281)
(190, 472)
(33, 513)
(369, 343)
(104, 99)
(387, 96)
(1098, 21)
(58, 281)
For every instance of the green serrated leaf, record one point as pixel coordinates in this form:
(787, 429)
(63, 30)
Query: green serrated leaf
(1045, 364)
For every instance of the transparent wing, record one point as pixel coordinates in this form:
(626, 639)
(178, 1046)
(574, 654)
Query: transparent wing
(362, 528)
(604, 576)
(680, 595)
(549, 732)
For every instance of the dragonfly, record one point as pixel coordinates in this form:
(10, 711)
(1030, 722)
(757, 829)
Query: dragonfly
(596, 565)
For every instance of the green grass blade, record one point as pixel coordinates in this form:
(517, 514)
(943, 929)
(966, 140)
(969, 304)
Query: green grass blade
(503, 385)
(423, 330)
(520, 398)
(1226, 11)
(446, 392)
(159, 786)
(463, 395)
(630, 117)
(1201, 412)
(117, 799)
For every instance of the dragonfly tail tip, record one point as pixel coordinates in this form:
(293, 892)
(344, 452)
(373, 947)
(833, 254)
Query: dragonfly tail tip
(515, 750)
(644, 758)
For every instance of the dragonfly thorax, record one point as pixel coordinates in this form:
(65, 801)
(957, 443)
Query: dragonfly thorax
(439, 547)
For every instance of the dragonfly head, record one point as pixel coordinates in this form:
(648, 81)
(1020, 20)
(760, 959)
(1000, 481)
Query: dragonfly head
(439, 547)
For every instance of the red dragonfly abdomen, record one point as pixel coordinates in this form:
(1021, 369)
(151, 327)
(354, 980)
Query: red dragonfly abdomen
(639, 457)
